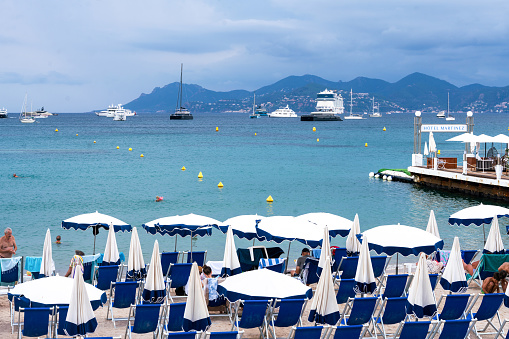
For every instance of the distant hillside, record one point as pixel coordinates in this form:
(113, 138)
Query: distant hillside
(416, 91)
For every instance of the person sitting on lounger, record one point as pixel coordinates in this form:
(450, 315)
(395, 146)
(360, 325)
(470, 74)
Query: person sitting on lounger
(300, 262)
(470, 268)
(490, 284)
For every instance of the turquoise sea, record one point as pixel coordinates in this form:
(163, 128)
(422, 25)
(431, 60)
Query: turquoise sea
(64, 173)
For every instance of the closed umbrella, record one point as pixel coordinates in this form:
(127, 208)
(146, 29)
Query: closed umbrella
(325, 252)
(154, 290)
(80, 318)
(95, 221)
(432, 145)
(426, 150)
(111, 254)
(364, 276)
(135, 263)
(453, 278)
(231, 264)
(196, 314)
(47, 264)
(263, 284)
(336, 224)
(494, 244)
(324, 308)
(243, 226)
(421, 299)
(432, 225)
(352, 242)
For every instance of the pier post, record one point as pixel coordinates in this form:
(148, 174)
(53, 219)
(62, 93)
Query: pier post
(417, 156)
(470, 129)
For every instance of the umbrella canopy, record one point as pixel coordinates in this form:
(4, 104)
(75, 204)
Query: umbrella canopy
(243, 226)
(453, 278)
(47, 264)
(55, 291)
(196, 314)
(465, 137)
(478, 215)
(111, 254)
(231, 264)
(432, 145)
(325, 252)
(80, 316)
(426, 149)
(406, 240)
(484, 138)
(494, 244)
(432, 225)
(421, 299)
(263, 284)
(337, 225)
(183, 225)
(352, 242)
(324, 308)
(135, 263)
(364, 276)
(154, 290)
(281, 228)
(501, 138)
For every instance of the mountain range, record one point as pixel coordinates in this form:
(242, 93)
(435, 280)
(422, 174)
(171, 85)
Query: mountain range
(416, 91)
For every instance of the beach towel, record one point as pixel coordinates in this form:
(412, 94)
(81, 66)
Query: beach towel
(33, 264)
(269, 262)
(9, 268)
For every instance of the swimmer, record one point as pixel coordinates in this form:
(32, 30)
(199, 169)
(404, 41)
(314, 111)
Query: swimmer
(15, 176)
(59, 238)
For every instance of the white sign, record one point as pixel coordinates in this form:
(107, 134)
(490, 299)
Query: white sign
(444, 128)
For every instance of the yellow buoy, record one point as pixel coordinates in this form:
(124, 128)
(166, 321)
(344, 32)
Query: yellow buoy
(141, 156)
(200, 175)
(438, 152)
(269, 199)
(118, 147)
(56, 130)
(366, 145)
(317, 140)
(220, 185)
(217, 129)
(76, 134)
(384, 129)
(183, 168)
(94, 141)
(314, 129)
(130, 149)
(255, 132)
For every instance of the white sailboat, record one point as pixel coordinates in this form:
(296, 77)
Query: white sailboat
(24, 117)
(254, 115)
(449, 118)
(376, 110)
(353, 116)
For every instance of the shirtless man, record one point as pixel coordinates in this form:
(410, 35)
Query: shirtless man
(490, 284)
(7, 244)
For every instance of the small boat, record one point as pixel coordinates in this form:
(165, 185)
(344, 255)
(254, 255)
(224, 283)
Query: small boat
(329, 104)
(441, 114)
(25, 117)
(41, 113)
(376, 110)
(284, 112)
(181, 113)
(3, 113)
(254, 115)
(449, 118)
(353, 116)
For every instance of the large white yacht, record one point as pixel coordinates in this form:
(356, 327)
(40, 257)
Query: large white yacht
(329, 103)
(3, 113)
(112, 110)
(284, 112)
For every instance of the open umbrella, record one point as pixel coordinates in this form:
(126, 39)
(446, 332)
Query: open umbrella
(80, 318)
(364, 276)
(337, 225)
(352, 242)
(494, 244)
(55, 291)
(453, 278)
(135, 263)
(95, 221)
(324, 308)
(421, 299)
(432, 225)
(154, 290)
(196, 314)
(243, 226)
(263, 284)
(111, 254)
(231, 264)
(47, 264)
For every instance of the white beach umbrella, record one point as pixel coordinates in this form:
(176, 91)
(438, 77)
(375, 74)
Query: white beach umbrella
(432, 225)
(494, 244)
(80, 316)
(453, 278)
(426, 150)
(432, 145)
(111, 254)
(47, 264)
(324, 307)
(55, 290)
(263, 284)
(465, 137)
(135, 263)
(336, 224)
(196, 314)
(352, 242)
(281, 228)
(364, 275)
(243, 226)
(154, 290)
(231, 264)
(501, 138)
(421, 299)
(325, 252)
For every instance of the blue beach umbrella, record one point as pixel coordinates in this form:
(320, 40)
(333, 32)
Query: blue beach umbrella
(325, 251)
(196, 314)
(80, 318)
(154, 290)
(364, 276)
(243, 226)
(324, 307)
(281, 228)
(135, 263)
(336, 224)
(111, 253)
(453, 278)
(231, 264)
(95, 221)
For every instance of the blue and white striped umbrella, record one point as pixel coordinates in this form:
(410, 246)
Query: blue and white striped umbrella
(281, 228)
(231, 264)
(364, 275)
(196, 314)
(154, 290)
(243, 226)
(324, 307)
(80, 316)
(111, 254)
(478, 215)
(494, 244)
(183, 225)
(421, 299)
(353, 244)
(453, 278)
(336, 224)
(325, 251)
(135, 263)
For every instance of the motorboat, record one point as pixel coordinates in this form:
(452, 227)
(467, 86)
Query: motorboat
(41, 113)
(376, 110)
(181, 113)
(284, 112)
(329, 103)
(441, 114)
(3, 113)
(120, 114)
(353, 116)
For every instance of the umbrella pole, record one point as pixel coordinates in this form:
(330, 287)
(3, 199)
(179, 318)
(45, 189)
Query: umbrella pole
(484, 234)
(175, 243)
(288, 255)
(397, 262)
(94, 244)
(191, 247)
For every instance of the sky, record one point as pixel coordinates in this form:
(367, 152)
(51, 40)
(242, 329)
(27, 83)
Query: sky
(79, 56)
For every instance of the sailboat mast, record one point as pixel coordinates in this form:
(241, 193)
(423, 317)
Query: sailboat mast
(351, 101)
(254, 102)
(181, 69)
(373, 105)
(447, 104)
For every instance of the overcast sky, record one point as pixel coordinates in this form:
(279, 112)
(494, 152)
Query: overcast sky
(77, 56)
